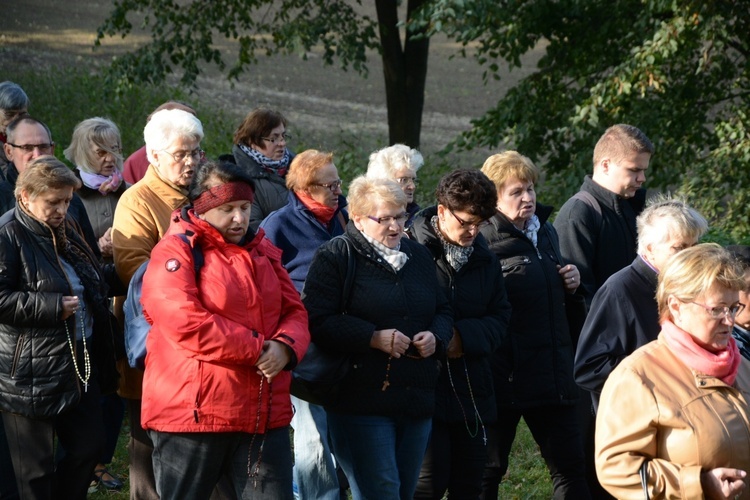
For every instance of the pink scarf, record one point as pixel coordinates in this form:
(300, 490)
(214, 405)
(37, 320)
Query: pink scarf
(101, 183)
(722, 365)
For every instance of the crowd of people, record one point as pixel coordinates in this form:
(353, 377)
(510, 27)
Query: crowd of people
(620, 339)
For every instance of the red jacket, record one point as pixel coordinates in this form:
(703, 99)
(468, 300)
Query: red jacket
(204, 342)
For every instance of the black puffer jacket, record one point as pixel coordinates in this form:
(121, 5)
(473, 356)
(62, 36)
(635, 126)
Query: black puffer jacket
(270, 189)
(381, 298)
(37, 375)
(481, 313)
(536, 368)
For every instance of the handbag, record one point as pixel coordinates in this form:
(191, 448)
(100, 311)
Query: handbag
(644, 479)
(317, 377)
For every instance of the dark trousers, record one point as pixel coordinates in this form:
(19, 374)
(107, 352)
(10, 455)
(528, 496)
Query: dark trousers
(140, 448)
(8, 488)
(557, 432)
(113, 411)
(32, 446)
(190, 465)
(454, 462)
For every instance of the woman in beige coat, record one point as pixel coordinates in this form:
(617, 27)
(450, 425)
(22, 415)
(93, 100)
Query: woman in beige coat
(676, 411)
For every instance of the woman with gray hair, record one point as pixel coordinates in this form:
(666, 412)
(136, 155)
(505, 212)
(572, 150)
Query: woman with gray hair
(56, 337)
(13, 102)
(398, 163)
(173, 139)
(623, 314)
(673, 416)
(392, 327)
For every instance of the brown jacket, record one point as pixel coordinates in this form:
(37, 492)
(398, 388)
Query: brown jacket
(655, 408)
(141, 219)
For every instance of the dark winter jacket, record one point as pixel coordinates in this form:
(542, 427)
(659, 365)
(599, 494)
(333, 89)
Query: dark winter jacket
(295, 230)
(37, 375)
(481, 312)
(536, 367)
(270, 189)
(599, 242)
(623, 317)
(409, 300)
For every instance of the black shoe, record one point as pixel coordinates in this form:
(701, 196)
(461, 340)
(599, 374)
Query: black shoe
(110, 484)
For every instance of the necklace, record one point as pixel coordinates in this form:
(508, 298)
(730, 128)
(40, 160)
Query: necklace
(477, 417)
(86, 360)
(254, 472)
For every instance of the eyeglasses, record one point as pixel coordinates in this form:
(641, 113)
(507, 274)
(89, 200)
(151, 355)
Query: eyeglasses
(472, 226)
(101, 153)
(180, 156)
(333, 186)
(722, 312)
(405, 181)
(278, 138)
(29, 148)
(398, 219)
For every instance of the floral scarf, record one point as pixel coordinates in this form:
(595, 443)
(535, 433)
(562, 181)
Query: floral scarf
(394, 256)
(456, 255)
(278, 167)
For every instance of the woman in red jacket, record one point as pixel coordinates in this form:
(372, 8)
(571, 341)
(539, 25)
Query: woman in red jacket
(224, 337)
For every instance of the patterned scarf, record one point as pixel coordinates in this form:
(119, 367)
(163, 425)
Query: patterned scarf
(395, 257)
(96, 181)
(278, 167)
(722, 365)
(456, 255)
(531, 228)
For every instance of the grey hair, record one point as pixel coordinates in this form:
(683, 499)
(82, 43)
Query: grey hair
(666, 216)
(168, 125)
(102, 133)
(12, 96)
(385, 162)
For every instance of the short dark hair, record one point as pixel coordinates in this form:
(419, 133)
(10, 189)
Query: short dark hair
(741, 254)
(220, 170)
(468, 191)
(258, 124)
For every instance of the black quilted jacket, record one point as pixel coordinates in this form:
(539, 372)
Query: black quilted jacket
(37, 377)
(410, 300)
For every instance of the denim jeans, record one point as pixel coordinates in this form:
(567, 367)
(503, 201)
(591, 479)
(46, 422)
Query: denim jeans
(189, 465)
(381, 456)
(314, 467)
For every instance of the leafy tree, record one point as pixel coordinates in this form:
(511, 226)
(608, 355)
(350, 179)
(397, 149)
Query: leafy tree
(184, 38)
(677, 69)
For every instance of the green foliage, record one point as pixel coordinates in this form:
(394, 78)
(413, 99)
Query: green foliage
(186, 35)
(88, 95)
(677, 69)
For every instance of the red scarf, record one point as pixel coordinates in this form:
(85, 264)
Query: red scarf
(323, 213)
(722, 365)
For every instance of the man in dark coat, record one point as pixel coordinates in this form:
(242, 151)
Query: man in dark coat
(624, 315)
(597, 225)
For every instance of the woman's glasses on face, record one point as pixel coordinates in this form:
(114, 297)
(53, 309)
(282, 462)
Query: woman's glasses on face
(278, 138)
(399, 219)
(332, 186)
(117, 150)
(470, 226)
(722, 312)
(180, 156)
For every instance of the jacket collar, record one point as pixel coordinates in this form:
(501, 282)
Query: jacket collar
(170, 194)
(641, 267)
(611, 200)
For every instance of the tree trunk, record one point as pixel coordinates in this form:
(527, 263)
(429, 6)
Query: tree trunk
(405, 72)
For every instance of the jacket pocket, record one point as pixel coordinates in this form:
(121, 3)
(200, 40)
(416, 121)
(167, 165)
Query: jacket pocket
(517, 262)
(16, 365)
